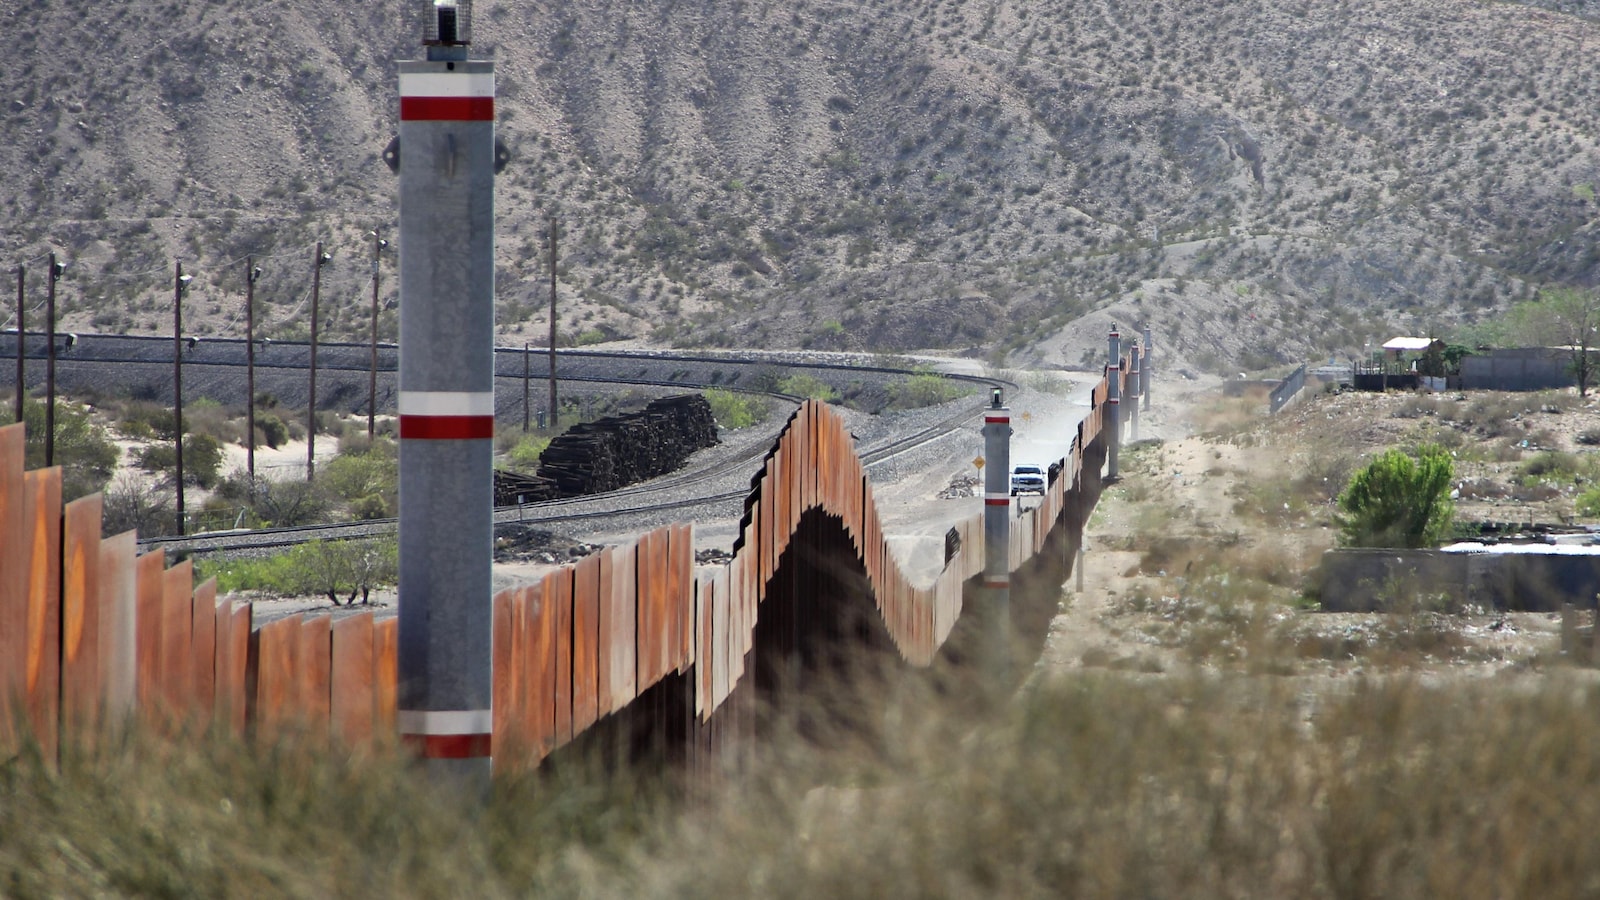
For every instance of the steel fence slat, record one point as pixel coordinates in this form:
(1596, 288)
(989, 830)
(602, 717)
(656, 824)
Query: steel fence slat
(42, 674)
(81, 696)
(586, 603)
(316, 669)
(203, 651)
(177, 623)
(350, 702)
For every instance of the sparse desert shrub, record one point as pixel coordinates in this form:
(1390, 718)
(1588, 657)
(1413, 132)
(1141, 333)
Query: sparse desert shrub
(273, 432)
(1588, 503)
(1552, 465)
(807, 386)
(525, 453)
(925, 389)
(735, 410)
(82, 449)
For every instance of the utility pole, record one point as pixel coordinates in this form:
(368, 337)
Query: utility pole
(554, 410)
(311, 403)
(378, 244)
(56, 268)
(22, 334)
(180, 281)
(251, 273)
(527, 377)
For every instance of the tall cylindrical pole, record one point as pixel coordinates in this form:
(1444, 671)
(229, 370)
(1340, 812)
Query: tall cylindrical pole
(446, 409)
(378, 244)
(1144, 370)
(997, 532)
(22, 338)
(527, 381)
(311, 402)
(554, 412)
(50, 363)
(251, 273)
(1113, 403)
(179, 282)
(1133, 391)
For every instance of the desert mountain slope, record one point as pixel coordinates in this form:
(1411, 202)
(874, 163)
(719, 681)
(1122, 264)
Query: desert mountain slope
(1260, 179)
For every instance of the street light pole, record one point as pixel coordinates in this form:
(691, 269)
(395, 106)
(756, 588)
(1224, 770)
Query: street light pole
(56, 268)
(555, 414)
(311, 404)
(180, 281)
(251, 273)
(22, 333)
(378, 244)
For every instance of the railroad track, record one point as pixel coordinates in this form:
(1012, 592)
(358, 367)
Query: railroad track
(659, 494)
(663, 493)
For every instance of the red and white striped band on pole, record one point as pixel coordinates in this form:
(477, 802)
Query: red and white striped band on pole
(447, 734)
(991, 499)
(446, 415)
(1002, 582)
(447, 97)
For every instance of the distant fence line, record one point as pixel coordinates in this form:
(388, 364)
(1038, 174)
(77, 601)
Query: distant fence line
(1286, 389)
(90, 633)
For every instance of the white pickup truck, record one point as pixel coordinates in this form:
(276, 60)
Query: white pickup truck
(1027, 478)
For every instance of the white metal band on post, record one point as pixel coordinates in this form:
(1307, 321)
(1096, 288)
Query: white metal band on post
(448, 721)
(443, 84)
(446, 403)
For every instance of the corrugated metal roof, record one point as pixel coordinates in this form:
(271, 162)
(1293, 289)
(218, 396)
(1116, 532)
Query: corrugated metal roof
(1407, 343)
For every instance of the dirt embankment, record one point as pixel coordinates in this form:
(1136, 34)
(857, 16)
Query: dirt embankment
(1204, 554)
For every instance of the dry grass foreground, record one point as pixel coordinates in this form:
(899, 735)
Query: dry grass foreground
(1238, 751)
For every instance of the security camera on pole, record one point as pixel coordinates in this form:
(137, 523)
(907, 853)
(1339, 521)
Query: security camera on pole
(446, 158)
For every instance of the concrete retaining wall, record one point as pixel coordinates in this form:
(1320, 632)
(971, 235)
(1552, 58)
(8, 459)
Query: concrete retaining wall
(1380, 580)
(1519, 369)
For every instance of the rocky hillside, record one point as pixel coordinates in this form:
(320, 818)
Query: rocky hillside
(1264, 180)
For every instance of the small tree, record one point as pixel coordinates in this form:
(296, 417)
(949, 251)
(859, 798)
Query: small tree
(1565, 318)
(1398, 501)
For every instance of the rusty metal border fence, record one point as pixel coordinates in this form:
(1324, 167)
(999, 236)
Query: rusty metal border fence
(91, 634)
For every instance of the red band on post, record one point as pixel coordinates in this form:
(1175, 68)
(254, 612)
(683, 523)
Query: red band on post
(447, 109)
(446, 428)
(990, 501)
(448, 746)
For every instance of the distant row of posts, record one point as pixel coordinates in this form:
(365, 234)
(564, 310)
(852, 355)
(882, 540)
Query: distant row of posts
(253, 272)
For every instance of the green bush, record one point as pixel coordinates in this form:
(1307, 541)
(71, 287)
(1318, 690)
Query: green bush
(366, 477)
(330, 568)
(525, 453)
(1588, 503)
(1552, 465)
(807, 386)
(274, 433)
(925, 389)
(1398, 501)
(735, 410)
(202, 459)
(85, 454)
